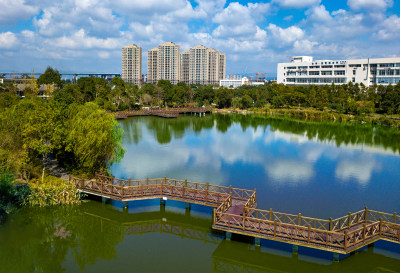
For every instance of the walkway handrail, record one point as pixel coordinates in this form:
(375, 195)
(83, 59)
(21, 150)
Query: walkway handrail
(235, 210)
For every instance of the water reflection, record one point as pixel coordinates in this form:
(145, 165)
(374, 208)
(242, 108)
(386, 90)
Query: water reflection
(95, 237)
(310, 163)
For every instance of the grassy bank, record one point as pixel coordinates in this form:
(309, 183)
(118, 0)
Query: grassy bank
(15, 193)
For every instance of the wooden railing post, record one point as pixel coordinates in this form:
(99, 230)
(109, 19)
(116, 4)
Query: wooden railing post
(244, 218)
(366, 215)
(184, 188)
(349, 219)
(309, 234)
(270, 214)
(394, 217)
(363, 234)
(299, 223)
(275, 228)
(330, 224)
(230, 190)
(206, 195)
(380, 225)
(122, 191)
(345, 239)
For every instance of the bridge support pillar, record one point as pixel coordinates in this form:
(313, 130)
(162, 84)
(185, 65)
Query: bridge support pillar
(104, 200)
(257, 241)
(295, 250)
(188, 206)
(228, 235)
(336, 257)
(125, 205)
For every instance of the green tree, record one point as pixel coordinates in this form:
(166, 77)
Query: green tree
(95, 138)
(50, 76)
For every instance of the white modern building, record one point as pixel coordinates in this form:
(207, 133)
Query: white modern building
(132, 64)
(233, 82)
(303, 70)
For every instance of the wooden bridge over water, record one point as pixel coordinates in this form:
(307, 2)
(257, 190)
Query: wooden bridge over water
(235, 212)
(163, 112)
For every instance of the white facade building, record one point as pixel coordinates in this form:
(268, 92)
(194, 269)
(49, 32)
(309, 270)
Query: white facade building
(233, 83)
(303, 70)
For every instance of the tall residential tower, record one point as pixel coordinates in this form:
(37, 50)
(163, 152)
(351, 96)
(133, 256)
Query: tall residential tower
(132, 64)
(168, 66)
(152, 61)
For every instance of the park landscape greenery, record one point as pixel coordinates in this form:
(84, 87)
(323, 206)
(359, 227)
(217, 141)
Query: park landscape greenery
(72, 122)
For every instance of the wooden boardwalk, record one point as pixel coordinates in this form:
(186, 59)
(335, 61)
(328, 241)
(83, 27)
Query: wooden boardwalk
(235, 211)
(163, 112)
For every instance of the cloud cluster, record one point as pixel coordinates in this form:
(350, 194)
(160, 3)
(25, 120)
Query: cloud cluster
(254, 35)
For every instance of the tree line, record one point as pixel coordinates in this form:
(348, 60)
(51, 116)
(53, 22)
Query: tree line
(118, 95)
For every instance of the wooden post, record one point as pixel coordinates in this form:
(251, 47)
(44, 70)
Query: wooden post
(122, 191)
(274, 228)
(244, 218)
(394, 218)
(230, 190)
(363, 234)
(349, 219)
(206, 195)
(380, 225)
(214, 216)
(309, 234)
(184, 188)
(365, 215)
(345, 240)
(299, 219)
(330, 224)
(270, 214)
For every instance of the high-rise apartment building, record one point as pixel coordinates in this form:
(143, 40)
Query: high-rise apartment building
(185, 66)
(217, 64)
(132, 64)
(169, 65)
(198, 65)
(152, 61)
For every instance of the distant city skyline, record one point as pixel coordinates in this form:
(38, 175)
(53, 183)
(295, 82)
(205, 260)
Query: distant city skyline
(87, 35)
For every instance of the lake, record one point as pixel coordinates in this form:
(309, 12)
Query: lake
(317, 169)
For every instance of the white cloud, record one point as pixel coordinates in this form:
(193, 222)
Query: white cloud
(81, 40)
(373, 5)
(282, 37)
(319, 14)
(389, 30)
(14, 10)
(8, 40)
(297, 3)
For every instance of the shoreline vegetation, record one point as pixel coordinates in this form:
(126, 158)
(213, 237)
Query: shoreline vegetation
(306, 114)
(76, 122)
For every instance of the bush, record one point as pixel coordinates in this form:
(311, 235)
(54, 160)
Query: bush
(53, 191)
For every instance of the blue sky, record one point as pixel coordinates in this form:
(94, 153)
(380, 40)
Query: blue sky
(87, 35)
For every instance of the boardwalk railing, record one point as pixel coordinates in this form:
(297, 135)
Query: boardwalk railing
(235, 211)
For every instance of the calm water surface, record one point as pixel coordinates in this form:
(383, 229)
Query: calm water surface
(321, 170)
